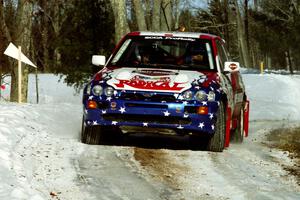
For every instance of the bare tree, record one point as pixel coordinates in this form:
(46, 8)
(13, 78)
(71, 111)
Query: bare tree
(140, 15)
(23, 38)
(244, 53)
(156, 15)
(121, 24)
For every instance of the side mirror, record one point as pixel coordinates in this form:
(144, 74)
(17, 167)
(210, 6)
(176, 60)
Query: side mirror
(232, 67)
(98, 60)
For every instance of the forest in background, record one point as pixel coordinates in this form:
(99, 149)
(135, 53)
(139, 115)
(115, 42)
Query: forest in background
(61, 36)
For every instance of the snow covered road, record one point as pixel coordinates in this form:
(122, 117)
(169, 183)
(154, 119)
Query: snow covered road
(42, 158)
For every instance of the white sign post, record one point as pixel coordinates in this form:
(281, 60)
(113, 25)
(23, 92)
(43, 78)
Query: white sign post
(16, 53)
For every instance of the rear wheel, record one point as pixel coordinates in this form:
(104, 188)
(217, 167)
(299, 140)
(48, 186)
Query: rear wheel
(217, 141)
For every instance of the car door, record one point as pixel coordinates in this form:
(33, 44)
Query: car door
(233, 77)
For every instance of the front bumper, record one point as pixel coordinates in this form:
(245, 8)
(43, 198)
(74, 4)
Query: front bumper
(180, 115)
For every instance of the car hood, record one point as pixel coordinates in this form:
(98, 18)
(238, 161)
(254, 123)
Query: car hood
(157, 80)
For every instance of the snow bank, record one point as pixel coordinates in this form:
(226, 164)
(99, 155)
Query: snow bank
(273, 96)
(25, 129)
(52, 89)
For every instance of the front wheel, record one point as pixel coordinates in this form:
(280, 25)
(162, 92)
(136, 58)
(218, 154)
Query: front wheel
(91, 134)
(217, 141)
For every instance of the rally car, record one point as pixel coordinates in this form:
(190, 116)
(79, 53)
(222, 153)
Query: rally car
(177, 81)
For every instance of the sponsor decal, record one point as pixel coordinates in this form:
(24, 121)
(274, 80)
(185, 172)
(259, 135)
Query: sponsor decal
(162, 84)
(155, 72)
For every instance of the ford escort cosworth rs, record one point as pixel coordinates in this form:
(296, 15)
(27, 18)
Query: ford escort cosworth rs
(182, 82)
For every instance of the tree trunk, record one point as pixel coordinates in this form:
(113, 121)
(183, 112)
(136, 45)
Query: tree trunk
(166, 15)
(289, 61)
(140, 15)
(242, 38)
(22, 38)
(156, 15)
(121, 24)
(45, 34)
(177, 13)
(148, 14)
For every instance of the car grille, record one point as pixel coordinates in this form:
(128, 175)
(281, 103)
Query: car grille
(139, 105)
(146, 118)
(152, 98)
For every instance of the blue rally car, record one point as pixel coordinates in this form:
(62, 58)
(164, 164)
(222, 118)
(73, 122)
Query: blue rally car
(181, 82)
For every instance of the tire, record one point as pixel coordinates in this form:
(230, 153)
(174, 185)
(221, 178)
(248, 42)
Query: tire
(91, 134)
(217, 142)
(238, 133)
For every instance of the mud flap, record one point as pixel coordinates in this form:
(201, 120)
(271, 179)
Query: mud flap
(228, 123)
(246, 118)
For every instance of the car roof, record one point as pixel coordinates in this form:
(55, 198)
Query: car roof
(175, 34)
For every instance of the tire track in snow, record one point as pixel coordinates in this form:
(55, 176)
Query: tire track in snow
(255, 169)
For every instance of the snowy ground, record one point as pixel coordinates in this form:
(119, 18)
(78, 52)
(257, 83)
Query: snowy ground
(42, 158)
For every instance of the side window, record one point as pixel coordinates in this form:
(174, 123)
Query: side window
(221, 54)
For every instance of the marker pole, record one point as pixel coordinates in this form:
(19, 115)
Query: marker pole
(19, 76)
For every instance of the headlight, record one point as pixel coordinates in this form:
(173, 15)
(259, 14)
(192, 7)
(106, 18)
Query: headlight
(97, 90)
(200, 95)
(211, 96)
(188, 95)
(109, 91)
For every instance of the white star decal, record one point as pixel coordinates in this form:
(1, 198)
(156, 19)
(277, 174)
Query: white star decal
(185, 102)
(180, 127)
(180, 97)
(218, 90)
(85, 111)
(185, 115)
(212, 127)
(204, 103)
(201, 125)
(101, 81)
(115, 92)
(95, 123)
(108, 99)
(88, 122)
(114, 123)
(197, 87)
(122, 110)
(211, 116)
(145, 124)
(91, 97)
(166, 113)
(176, 95)
(103, 111)
(212, 88)
(218, 103)
(163, 102)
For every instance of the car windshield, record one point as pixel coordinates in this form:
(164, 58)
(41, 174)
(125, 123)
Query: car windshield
(165, 52)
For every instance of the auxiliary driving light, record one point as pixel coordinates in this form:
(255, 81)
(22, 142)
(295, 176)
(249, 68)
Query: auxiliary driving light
(188, 95)
(109, 91)
(97, 90)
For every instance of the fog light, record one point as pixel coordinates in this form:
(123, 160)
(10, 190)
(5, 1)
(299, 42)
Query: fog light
(202, 110)
(92, 104)
(113, 104)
